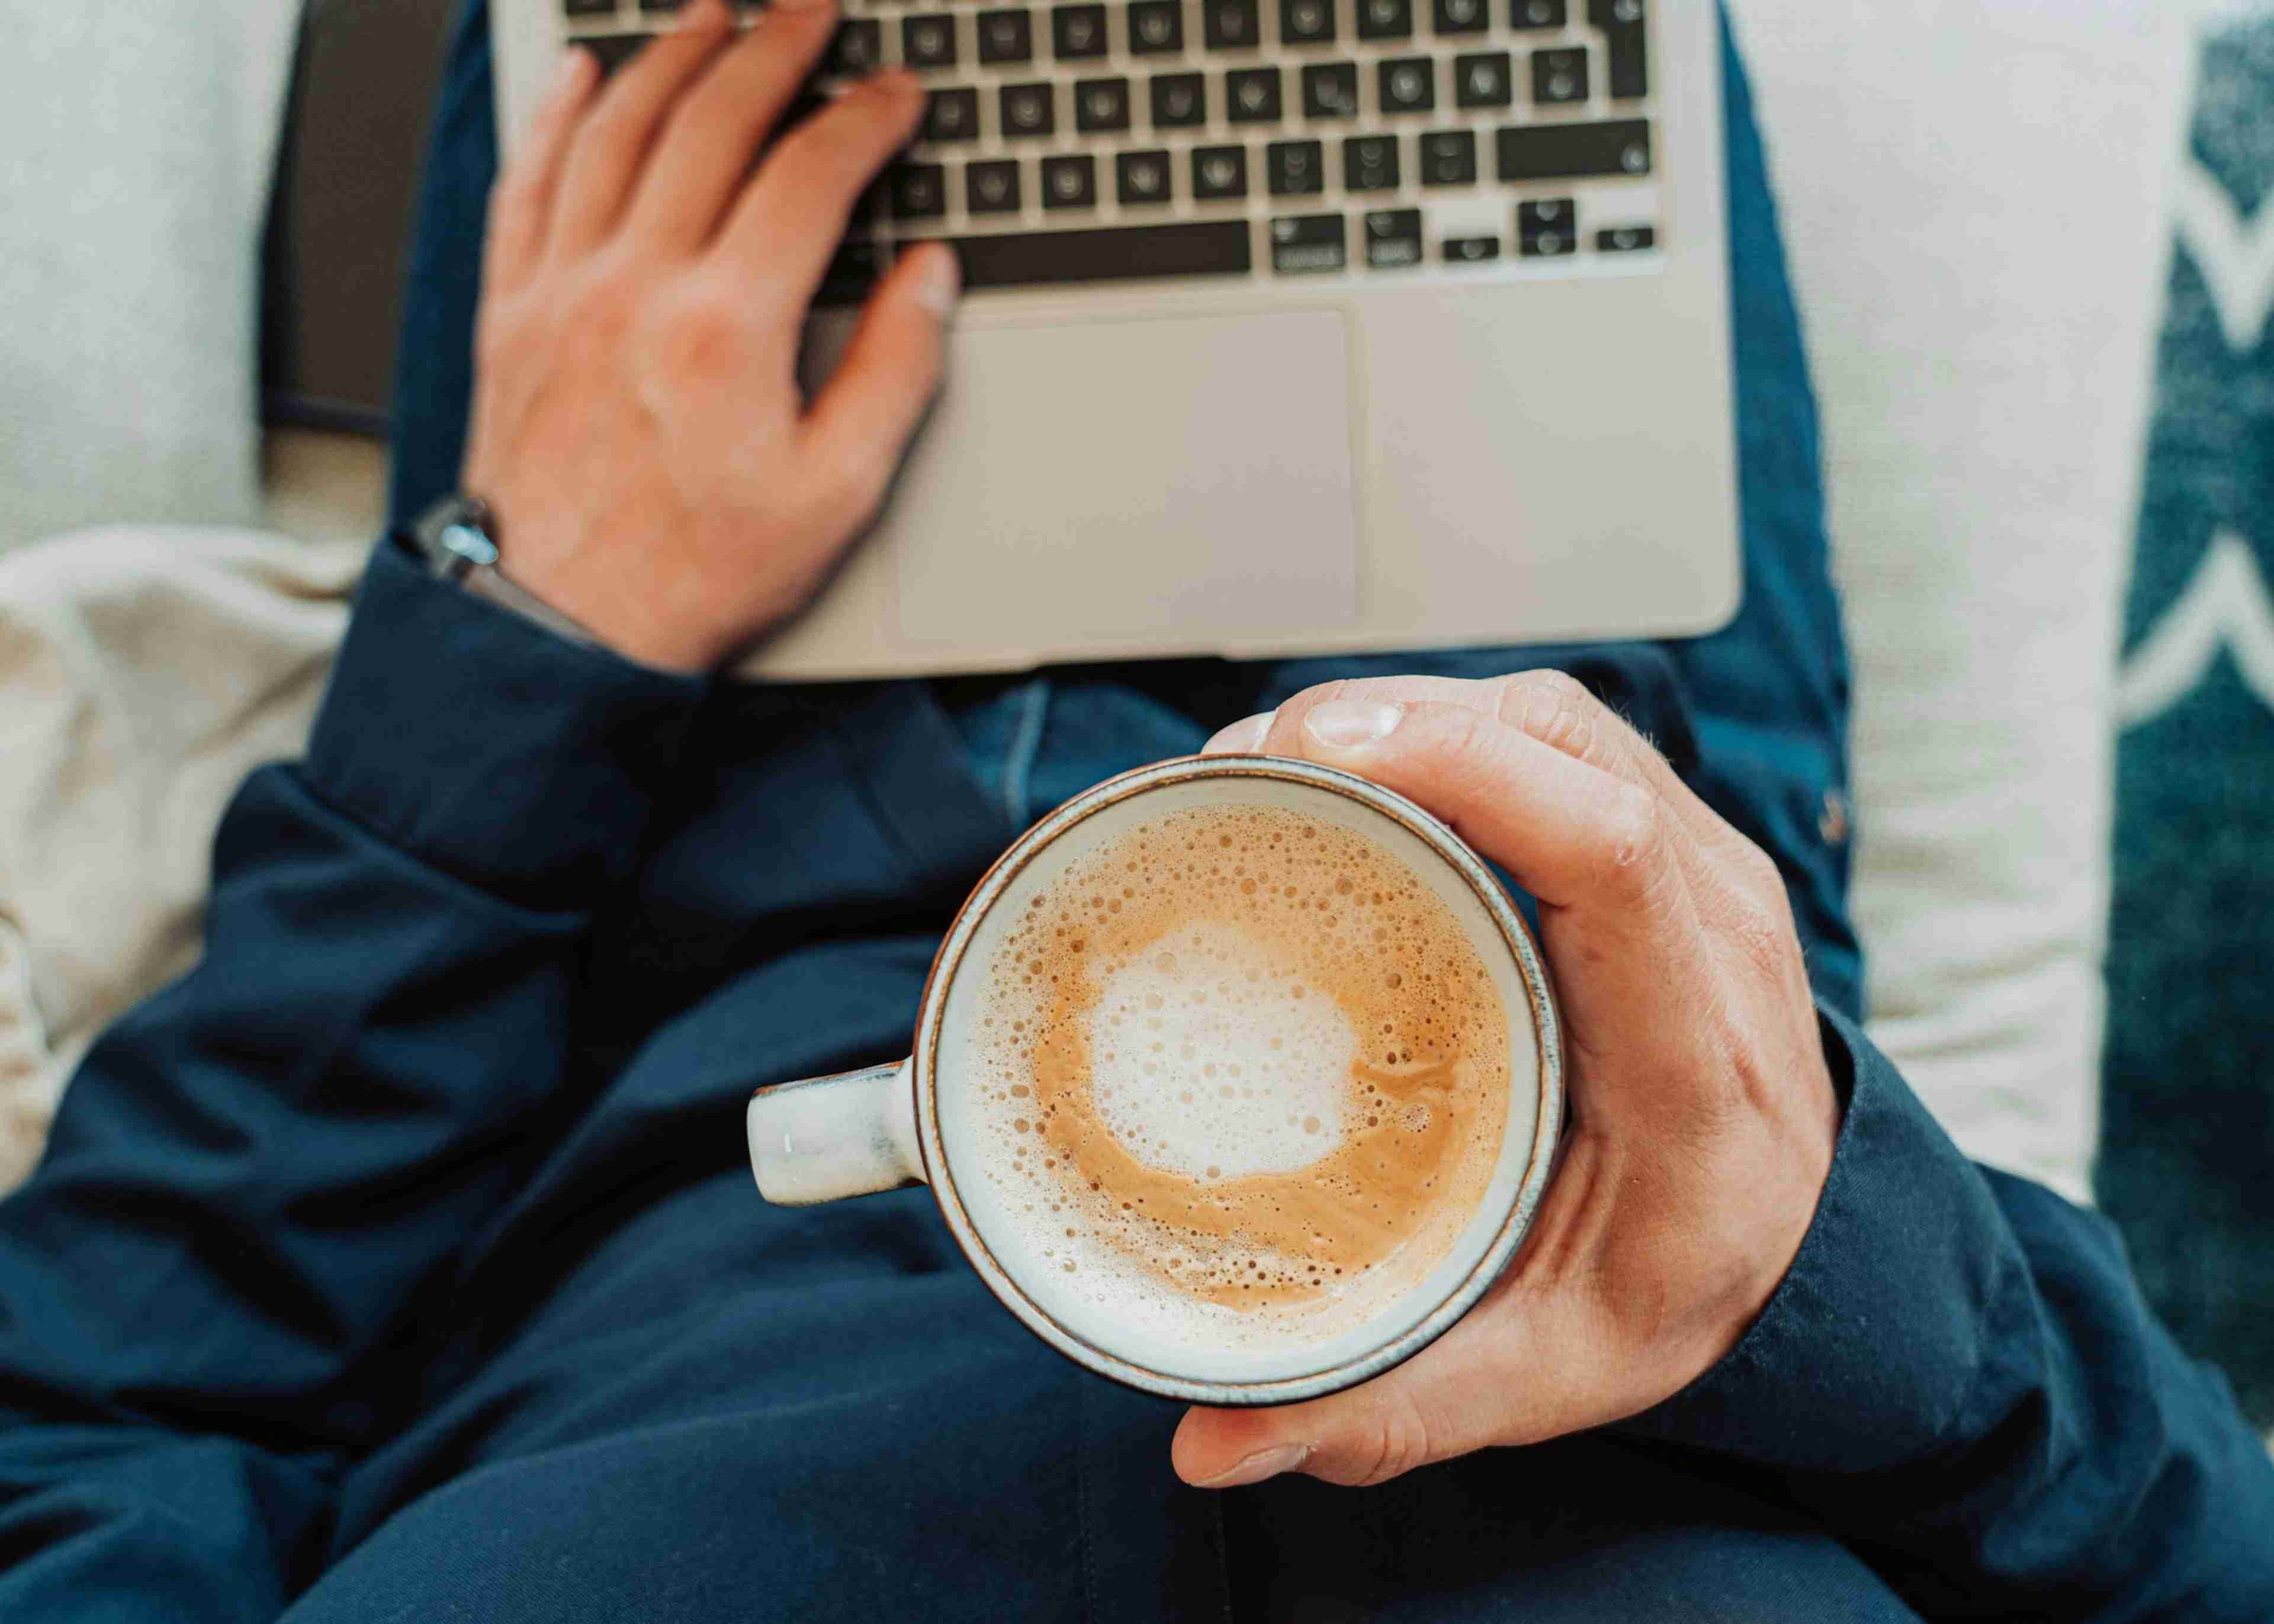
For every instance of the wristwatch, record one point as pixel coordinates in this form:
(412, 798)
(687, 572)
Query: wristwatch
(458, 538)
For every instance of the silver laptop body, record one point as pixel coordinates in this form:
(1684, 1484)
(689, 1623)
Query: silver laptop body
(1293, 327)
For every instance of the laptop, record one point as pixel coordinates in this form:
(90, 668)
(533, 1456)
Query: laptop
(1292, 327)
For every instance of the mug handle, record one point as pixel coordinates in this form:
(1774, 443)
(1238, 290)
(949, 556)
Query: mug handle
(823, 1139)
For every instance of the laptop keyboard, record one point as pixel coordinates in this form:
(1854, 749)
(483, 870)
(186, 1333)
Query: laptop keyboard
(1248, 139)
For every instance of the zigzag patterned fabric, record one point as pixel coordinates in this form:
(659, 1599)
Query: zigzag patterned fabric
(2187, 1164)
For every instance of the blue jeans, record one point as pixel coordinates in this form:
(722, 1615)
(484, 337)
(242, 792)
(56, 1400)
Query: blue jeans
(1755, 716)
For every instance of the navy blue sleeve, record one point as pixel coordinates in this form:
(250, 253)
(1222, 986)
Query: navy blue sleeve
(1960, 1378)
(211, 1289)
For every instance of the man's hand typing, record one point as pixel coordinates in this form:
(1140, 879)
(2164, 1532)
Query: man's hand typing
(639, 427)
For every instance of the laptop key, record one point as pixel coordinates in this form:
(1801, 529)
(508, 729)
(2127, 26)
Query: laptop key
(1370, 163)
(992, 186)
(1106, 253)
(952, 115)
(1027, 110)
(1468, 250)
(1141, 178)
(1408, 85)
(1460, 15)
(1565, 152)
(614, 49)
(1483, 80)
(1393, 237)
(1155, 27)
(1559, 76)
(1546, 228)
(1308, 22)
(1219, 172)
(1101, 105)
(1330, 90)
(588, 8)
(1623, 29)
(1231, 24)
(1535, 13)
(928, 41)
(1448, 158)
(918, 190)
(1070, 180)
(1005, 36)
(857, 47)
(1626, 239)
(1179, 100)
(1295, 168)
(1078, 31)
(1305, 243)
(1251, 96)
(1385, 20)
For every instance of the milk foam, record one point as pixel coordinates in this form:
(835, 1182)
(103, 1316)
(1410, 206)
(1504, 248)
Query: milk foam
(1240, 1078)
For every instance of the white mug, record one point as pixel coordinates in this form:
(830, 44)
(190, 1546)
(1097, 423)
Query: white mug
(860, 1133)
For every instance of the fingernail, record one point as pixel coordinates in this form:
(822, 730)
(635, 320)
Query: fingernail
(1242, 738)
(939, 281)
(1352, 723)
(1263, 1464)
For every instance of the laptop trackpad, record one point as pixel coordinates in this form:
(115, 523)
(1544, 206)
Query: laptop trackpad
(1131, 486)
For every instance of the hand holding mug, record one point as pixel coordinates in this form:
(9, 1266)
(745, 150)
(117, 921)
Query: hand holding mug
(639, 427)
(1702, 1112)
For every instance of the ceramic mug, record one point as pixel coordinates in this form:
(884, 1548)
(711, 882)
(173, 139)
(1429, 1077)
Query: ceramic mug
(860, 1133)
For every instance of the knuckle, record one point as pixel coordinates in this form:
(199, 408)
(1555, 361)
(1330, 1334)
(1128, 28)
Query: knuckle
(1395, 1441)
(1634, 839)
(1555, 709)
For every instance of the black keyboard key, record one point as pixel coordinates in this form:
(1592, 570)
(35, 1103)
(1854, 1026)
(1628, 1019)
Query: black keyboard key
(857, 47)
(1106, 253)
(1624, 30)
(614, 49)
(1448, 158)
(1385, 20)
(1559, 76)
(1535, 13)
(1027, 110)
(1548, 246)
(1461, 16)
(1251, 96)
(928, 41)
(1101, 105)
(1562, 151)
(1483, 79)
(1626, 239)
(1546, 228)
(602, 6)
(1308, 243)
(1142, 176)
(1005, 36)
(1219, 172)
(1070, 180)
(1408, 85)
(1308, 22)
(1157, 26)
(1231, 24)
(1370, 163)
(852, 272)
(868, 207)
(1392, 237)
(992, 186)
(918, 190)
(1468, 250)
(1179, 100)
(952, 115)
(1295, 168)
(1330, 90)
(1078, 31)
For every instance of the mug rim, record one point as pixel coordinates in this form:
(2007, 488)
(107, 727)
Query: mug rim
(1515, 1222)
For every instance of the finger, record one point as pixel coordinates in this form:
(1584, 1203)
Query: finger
(521, 205)
(790, 219)
(1519, 1369)
(1242, 738)
(860, 423)
(705, 151)
(605, 157)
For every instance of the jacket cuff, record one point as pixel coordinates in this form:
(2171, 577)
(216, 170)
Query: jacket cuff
(482, 744)
(1867, 1350)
